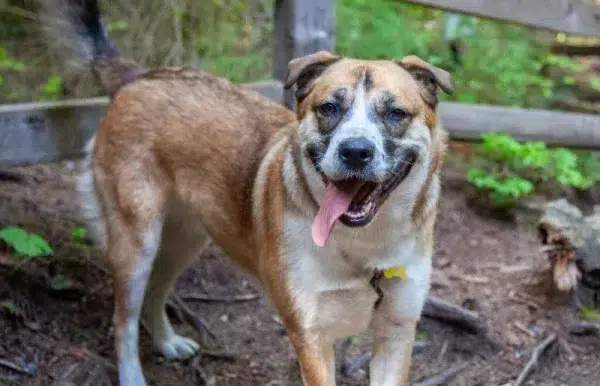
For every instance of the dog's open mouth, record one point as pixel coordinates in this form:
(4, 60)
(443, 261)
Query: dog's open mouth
(354, 202)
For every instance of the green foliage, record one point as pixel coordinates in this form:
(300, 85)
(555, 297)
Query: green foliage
(590, 314)
(10, 307)
(78, 234)
(595, 83)
(500, 64)
(378, 29)
(25, 245)
(504, 191)
(422, 335)
(513, 169)
(8, 64)
(117, 25)
(53, 88)
(78, 238)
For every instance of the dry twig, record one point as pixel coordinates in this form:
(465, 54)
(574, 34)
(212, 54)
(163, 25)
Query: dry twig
(222, 299)
(444, 377)
(443, 350)
(523, 328)
(584, 327)
(534, 360)
(454, 314)
(188, 316)
(15, 367)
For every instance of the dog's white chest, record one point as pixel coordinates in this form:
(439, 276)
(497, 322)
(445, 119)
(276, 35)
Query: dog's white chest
(332, 287)
(331, 291)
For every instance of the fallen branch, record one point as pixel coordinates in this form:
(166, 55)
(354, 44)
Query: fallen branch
(202, 378)
(15, 367)
(454, 314)
(443, 351)
(534, 360)
(444, 377)
(584, 327)
(222, 299)
(188, 316)
(11, 176)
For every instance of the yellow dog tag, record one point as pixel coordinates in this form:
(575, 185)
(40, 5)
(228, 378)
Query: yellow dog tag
(397, 271)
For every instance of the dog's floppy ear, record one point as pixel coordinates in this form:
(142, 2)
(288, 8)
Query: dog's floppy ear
(302, 71)
(428, 76)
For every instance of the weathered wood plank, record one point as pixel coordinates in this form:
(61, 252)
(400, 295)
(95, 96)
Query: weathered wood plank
(576, 50)
(568, 16)
(53, 131)
(468, 122)
(302, 27)
(48, 132)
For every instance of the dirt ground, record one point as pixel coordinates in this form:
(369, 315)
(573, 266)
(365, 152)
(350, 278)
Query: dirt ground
(487, 264)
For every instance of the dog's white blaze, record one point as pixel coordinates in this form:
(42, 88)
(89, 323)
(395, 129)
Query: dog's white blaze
(357, 125)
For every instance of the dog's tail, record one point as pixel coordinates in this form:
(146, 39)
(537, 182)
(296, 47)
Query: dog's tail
(74, 28)
(89, 205)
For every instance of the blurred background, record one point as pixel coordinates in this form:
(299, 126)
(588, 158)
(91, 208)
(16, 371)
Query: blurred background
(492, 62)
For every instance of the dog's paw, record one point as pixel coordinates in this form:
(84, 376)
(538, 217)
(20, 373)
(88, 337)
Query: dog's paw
(178, 347)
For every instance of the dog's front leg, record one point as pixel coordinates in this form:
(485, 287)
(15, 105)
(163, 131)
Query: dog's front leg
(314, 348)
(315, 356)
(394, 323)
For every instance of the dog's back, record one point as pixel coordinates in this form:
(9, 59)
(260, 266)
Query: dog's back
(182, 105)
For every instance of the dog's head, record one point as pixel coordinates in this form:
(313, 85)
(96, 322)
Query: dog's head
(364, 124)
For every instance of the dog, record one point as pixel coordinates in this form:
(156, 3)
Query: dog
(331, 207)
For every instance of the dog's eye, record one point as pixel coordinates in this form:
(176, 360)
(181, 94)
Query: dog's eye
(396, 115)
(328, 109)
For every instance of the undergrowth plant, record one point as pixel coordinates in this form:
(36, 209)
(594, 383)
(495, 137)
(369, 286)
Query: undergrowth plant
(26, 245)
(512, 170)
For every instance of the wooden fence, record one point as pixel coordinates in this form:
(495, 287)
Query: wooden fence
(46, 132)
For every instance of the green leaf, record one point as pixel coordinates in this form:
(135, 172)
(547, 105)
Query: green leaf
(53, 86)
(422, 335)
(117, 25)
(590, 314)
(28, 245)
(78, 234)
(61, 283)
(12, 308)
(18, 66)
(466, 98)
(595, 83)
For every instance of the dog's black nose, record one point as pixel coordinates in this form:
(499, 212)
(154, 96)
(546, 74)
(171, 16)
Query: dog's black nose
(356, 152)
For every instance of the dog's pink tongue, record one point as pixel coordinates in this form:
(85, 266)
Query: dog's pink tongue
(335, 204)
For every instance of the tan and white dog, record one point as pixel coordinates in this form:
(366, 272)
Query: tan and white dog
(317, 205)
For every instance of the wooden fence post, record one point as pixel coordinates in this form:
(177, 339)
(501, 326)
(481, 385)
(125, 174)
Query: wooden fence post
(302, 27)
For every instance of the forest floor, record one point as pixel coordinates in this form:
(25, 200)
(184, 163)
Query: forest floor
(488, 264)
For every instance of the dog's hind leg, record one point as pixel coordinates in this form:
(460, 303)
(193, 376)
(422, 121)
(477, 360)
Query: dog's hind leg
(181, 243)
(134, 214)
